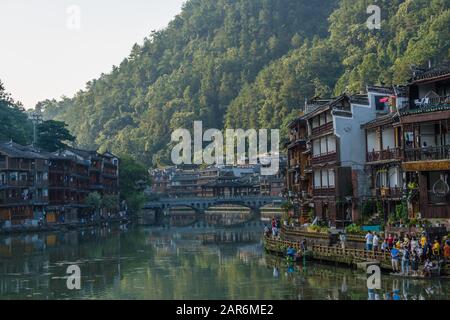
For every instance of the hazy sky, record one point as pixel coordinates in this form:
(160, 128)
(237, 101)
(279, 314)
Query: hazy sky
(48, 50)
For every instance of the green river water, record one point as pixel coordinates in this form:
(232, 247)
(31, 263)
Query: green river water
(181, 263)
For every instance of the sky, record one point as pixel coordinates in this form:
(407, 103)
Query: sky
(51, 48)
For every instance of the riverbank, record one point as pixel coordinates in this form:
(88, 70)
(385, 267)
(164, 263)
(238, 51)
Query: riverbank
(351, 257)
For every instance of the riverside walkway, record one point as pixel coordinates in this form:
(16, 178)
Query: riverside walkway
(351, 257)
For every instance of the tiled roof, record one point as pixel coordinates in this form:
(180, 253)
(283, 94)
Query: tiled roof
(425, 109)
(360, 99)
(401, 91)
(426, 74)
(381, 89)
(380, 121)
(18, 151)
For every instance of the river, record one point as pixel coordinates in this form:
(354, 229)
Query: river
(181, 263)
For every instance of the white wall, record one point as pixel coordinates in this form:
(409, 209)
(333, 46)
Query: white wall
(388, 138)
(372, 141)
(427, 134)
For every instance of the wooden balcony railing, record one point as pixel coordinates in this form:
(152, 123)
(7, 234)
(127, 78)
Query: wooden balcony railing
(20, 183)
(427, 153)
(322, 129)
(388, 154)
(324, 192)
(330, 157)
(387, 192)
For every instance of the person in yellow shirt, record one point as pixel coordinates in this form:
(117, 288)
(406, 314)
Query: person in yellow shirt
(423, 241)
(398, 245)
(436, 248)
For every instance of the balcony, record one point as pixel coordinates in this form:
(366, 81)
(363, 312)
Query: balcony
(14, 201)
(428, 153)
(324, 192)
(387, 192)
(388, 154)
(329, 157)
(432, 101)
(20, 183)
(322, 129)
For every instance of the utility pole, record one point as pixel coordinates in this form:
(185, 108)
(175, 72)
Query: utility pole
(36, 118)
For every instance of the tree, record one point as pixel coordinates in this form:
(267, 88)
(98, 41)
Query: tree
(131, 171)
(52, 135)
(94, 200)
(110, 202)
(14, 122)
(248, 64)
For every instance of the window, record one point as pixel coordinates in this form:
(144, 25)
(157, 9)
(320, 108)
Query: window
(394, 177)
(331, 144)
(324, 174)
(331, 178)
(317, 182)
(13, 176)
(323, 119)
(323, 145)
(329, 117)
(380, 106)
(315, 122)
(316, 148)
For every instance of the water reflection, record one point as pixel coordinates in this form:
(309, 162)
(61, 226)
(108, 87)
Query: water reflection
(180, 263)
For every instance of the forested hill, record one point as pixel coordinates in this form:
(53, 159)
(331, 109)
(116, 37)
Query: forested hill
(249, 63)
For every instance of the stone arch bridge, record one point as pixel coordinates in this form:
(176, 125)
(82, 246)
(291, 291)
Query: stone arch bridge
(200, 204)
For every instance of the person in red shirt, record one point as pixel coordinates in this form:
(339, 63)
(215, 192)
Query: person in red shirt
(447, 250)
(390, 241)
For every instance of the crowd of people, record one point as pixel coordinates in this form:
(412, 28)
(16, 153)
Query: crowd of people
(274, 230)
(410, 251)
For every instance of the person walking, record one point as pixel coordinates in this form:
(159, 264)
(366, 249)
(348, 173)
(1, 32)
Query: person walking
(343, 240)
(375, 242)
(415, 263)
(395, 255)
(405, 260)
(369, 241)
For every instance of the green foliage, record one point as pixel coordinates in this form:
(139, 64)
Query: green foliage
(52, 135)
(131, 172)
(14, 123)
(110, 202)
(368, 208)
(94, 200)
(193, 69)
(319, 229)
(401, 212)
(353, 229)
(136, 201)
(248, 64)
